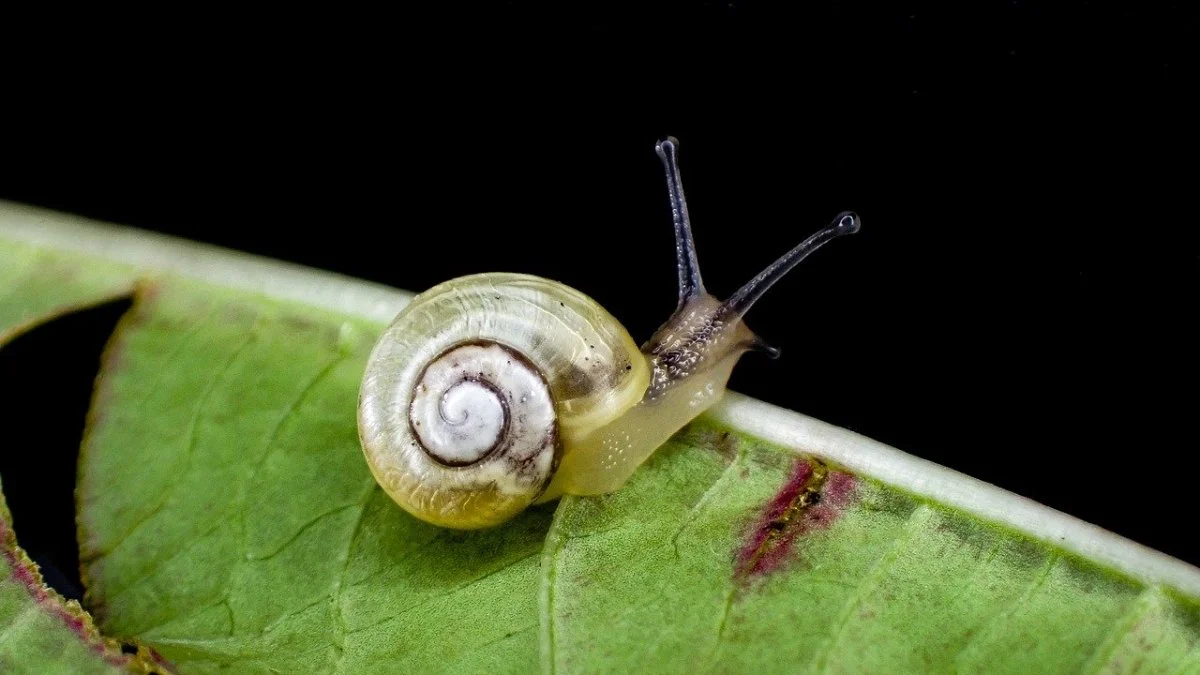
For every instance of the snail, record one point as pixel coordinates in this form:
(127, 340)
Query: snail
(493, 392)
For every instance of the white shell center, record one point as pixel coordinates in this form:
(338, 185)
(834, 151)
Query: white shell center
(465, 425)
(478, 398)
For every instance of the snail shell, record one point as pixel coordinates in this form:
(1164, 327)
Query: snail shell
(477, 385)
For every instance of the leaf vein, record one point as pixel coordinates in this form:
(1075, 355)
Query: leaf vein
(1011, 606)
(145, 574)
(916, 521)
(189, 447)
(160, 376)
(339, 618)
(709, 494)
(297, 534)
(393, 564)
(1102, 655)
(439, 596)
(507, 636)
(237, 507)
(554, 542)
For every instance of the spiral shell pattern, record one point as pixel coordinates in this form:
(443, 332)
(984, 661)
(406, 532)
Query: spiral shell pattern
(479, 386)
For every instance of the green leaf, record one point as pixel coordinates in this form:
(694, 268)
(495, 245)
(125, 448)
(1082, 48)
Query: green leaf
(777, 562)
(37, 284)
(227, 519)
(40, 632)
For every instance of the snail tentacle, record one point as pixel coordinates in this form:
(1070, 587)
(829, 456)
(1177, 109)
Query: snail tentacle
(690, 283)
(846, 222)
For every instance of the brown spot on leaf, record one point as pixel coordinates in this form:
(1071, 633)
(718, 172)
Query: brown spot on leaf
(723, 443)
(147, 289)
(727, 445)
(301, 324)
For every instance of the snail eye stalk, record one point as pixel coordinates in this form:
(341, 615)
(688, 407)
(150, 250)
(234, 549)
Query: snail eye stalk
(740, 302)
(690, 284)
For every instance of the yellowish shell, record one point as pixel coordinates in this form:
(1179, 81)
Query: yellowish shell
(591, 368)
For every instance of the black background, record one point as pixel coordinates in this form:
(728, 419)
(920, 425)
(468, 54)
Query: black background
(1020, 304)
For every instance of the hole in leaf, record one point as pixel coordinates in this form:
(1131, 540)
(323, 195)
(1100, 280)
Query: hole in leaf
(46, 379)
(127, 648)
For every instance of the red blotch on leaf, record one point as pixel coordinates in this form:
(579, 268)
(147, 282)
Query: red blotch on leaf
(838, 489)
(808, 500)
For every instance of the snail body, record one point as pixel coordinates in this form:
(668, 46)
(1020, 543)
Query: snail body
(492, 392)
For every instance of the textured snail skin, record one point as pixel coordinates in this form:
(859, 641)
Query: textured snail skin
(691, 357)
(591, 369)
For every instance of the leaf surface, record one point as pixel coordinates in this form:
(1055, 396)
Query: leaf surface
(41, 632)
(228, 520)
(745, 557)
(38, 283)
